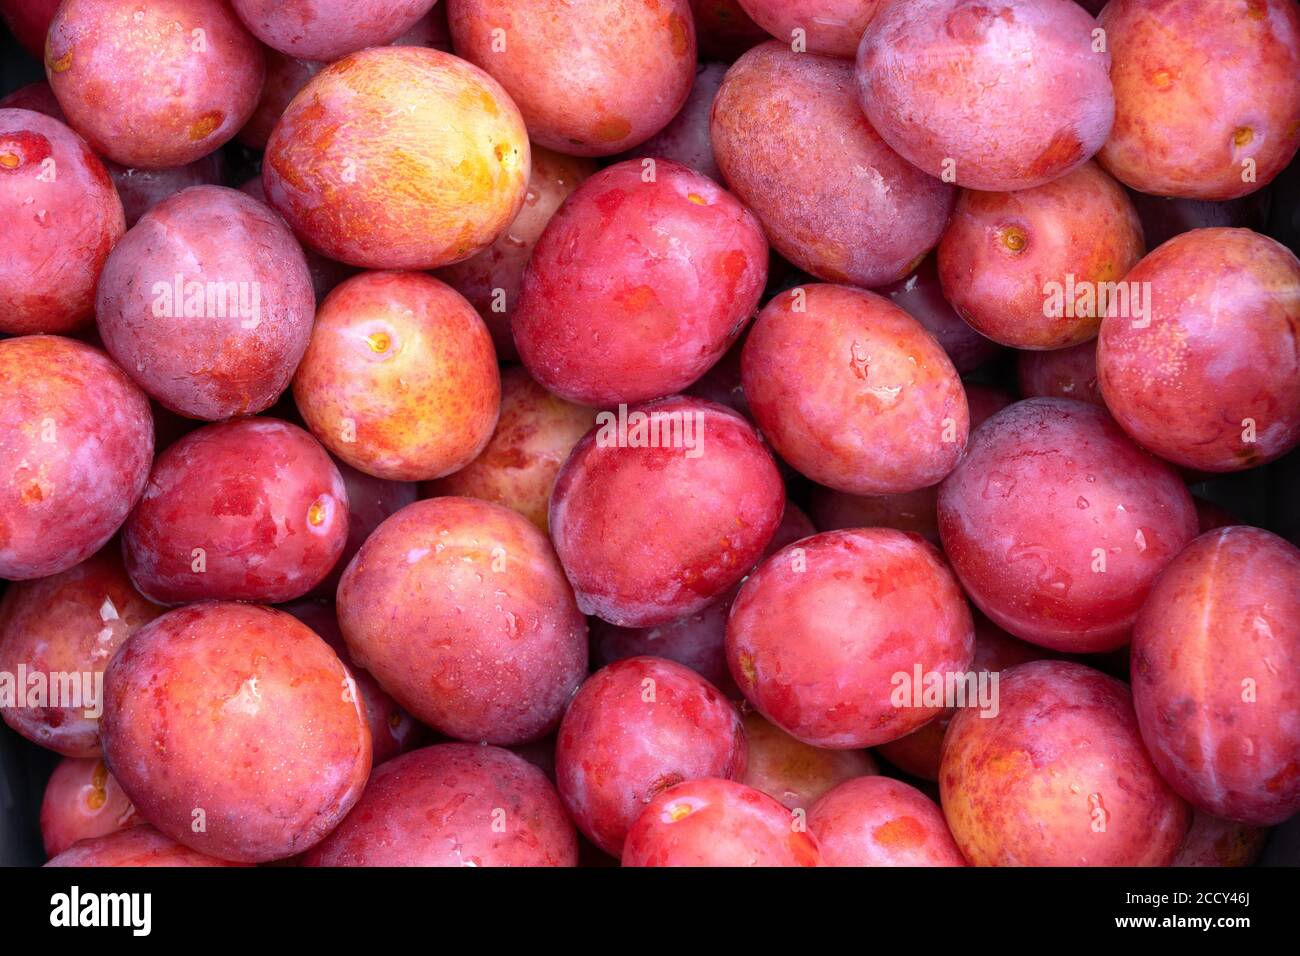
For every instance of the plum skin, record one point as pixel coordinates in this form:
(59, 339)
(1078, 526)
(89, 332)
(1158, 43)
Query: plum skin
(1059, 777)
(790, 771)
(496, 809)
(830, 27)
(237, 356)
(392, 730)
(435, 153)
(921, 296)
(820, 630)
(876, 821)
(964, 89)
(717, 822)
(1201, 88)
(258, 497)
(1215, 842)
(1003, 251)
(328, 29)
(76, 442)
(82, 801)
(575, 94)
(1209, 378)
(131, 80)
(1215, 658)
(1056, 523)
(399, 379)
(535, 432)
(853, 392)
(206, 702)
(636, 288)
(723, 30)
(499, 660)
(686, 139)
(1061, 373)
(921, 751)
(135, 846)
(60, 230)
(718, 505)
(634, 728)
(490, 281)
(791, 141)
(68, 623)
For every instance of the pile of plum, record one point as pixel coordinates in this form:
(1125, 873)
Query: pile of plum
(727, 432)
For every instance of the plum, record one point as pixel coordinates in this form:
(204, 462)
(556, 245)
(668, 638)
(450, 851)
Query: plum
(62, 215)
(398, 158)
(76, 442)
(1034, 268)
(1210, 515)
(639, 283)
(829, 27)
(716, 822)
(325, 273)
(919, 753)
(247, 510)
(1216, 675)
(723, 30)
(876, 821)
(285, 77)
(695, 472)
(834, 199)
(134, 847)
(912, 511)
(822, 632)
(69, 623)
(1215, 842)
(1061, 373)
(142, 189)
(29, 21)
(491, 279)
(534, 434)
(921, 296)
(721, 384)
(37, 97)
(371, 501)
(1207, 94)
(431, 31)
(1059, 777)
(1208, 376)
(985, 401)
(155, 85)
(392, 730)
(399, 379)
(853, 392)
(993, 97)
(328, 29)
(686, 139)
(697, 640)
(792, 772)
(207, 303)
(633, 729)
(1057, 524)
(1164, 217)
(453, 805)
(578, 96)
(82, 801)
(207, 703)
(460, 610)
